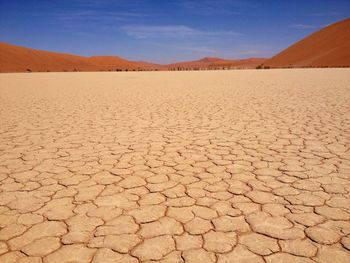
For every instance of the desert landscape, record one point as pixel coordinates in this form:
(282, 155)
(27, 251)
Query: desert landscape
(222, 136)
(328, 47)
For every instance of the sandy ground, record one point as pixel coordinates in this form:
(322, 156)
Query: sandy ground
(214, 166)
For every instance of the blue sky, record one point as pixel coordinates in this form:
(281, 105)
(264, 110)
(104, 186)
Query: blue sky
(165, 31)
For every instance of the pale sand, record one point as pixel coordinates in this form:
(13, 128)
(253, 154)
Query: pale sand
(212, 166)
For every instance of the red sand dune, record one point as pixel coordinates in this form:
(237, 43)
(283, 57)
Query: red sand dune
(329, 47)
(216, 63)
(20, 59)
(114, 63)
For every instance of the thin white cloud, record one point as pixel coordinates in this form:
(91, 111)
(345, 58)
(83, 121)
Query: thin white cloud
(171, 31)
(199, 49)
(305, 26)
(84, 15)
(202, 49)
(215, 7)
(140, 31)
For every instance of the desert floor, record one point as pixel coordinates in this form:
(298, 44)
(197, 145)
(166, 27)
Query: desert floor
(213, 166)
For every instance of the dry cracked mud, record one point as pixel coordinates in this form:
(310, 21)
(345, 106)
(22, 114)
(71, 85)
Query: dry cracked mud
(214, 166)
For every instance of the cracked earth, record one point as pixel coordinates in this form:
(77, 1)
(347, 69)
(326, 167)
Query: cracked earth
(214, 166)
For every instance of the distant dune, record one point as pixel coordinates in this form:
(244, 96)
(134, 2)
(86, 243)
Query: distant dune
(329, 47)
(21, 59)
(216, 63)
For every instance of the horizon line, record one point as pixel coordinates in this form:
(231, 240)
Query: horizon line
(147, 61)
